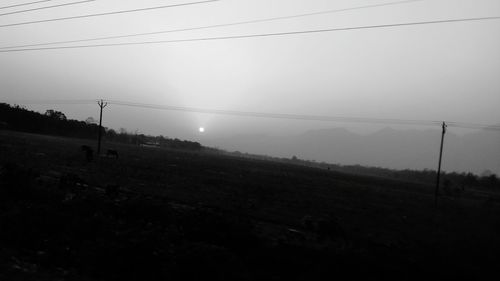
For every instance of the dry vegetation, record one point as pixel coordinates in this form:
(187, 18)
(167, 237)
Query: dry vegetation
(158, 213)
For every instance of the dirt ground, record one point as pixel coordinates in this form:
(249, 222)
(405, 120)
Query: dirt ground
(154, 213)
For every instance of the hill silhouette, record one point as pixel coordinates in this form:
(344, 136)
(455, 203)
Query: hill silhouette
(475, 152)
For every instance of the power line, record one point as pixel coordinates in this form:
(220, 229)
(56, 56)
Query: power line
(257, 35)
(25, 4)
(214, 26)
(363, 120)
(473, 126)
(346, 119)
(108, 13)
(278, 115)
(50, 101)
(46, 7)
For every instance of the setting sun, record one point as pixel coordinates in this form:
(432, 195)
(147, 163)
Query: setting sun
(201, 129)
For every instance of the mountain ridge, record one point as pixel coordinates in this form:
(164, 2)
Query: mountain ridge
(476, 152)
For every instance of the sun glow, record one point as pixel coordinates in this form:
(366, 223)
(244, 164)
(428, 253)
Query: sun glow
(201, 130)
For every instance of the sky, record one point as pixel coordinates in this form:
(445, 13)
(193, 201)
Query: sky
(427, 72)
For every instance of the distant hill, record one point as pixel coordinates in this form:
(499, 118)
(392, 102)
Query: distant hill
(389, 148)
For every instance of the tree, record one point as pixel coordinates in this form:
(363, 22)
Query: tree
(486, 173)
(111, 134)
(90, 120)
(469, 180)
(55, 114)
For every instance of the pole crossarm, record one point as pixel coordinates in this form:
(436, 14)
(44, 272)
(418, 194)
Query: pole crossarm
(102, 105)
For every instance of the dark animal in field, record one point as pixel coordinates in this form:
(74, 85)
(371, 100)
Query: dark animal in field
(89, 152)
(112, 153)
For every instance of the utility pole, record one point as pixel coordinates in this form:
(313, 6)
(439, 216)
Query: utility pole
(439, 166)
(102, 105)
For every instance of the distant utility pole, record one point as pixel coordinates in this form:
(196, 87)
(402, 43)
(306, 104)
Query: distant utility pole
(102, 105)
(439, 166)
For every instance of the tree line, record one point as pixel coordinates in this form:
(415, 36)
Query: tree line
(451, 182)
(52, 122)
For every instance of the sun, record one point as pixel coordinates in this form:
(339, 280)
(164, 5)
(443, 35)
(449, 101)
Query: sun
(201, 130)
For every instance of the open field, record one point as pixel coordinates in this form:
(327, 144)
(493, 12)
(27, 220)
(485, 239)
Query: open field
(155, 213)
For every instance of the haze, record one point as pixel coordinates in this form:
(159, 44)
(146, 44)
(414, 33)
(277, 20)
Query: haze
(428, 72)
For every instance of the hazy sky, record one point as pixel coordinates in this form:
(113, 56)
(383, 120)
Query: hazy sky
(432, 72)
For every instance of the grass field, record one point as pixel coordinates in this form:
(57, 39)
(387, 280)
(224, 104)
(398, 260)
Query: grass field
(157, 214)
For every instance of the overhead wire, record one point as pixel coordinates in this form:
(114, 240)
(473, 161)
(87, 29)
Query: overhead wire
(473, 126)
(49, 101)
(24, 4)
(46, 7)
(261, 35)
(276, 115)
(108, 13)
(303, 117)
(364, 120)
(215, 25)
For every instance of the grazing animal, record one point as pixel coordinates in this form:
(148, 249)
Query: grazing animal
(89, 152)
(112, 153)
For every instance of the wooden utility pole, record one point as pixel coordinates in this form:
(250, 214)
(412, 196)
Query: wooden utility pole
(439, 166)
(102, 105)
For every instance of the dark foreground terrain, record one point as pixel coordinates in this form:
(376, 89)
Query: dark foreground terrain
(158, 214)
